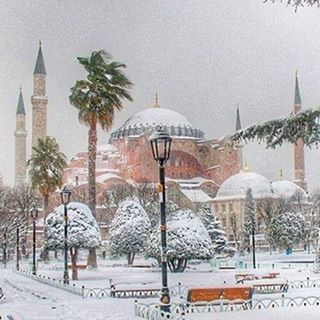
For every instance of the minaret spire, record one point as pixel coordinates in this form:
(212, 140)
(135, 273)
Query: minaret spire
(299, 167)
(20, 143)
(40, 66)
(39, 99)
(20, 108)
(297, 96)
(238, 121)
(240, 145)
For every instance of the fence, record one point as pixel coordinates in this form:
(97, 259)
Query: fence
(52, 282)
(180, 310)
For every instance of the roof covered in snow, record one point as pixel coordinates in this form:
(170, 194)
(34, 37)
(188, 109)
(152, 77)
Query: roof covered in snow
(288, 189)
(196, 195)
(237, 185)
(152, 119)
(107, 176)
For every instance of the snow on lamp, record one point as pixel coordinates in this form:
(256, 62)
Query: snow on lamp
(160, 145)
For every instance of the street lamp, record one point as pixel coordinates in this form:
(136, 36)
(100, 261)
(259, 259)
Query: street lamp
(4, 255)
(34, 212)
(160, 145)
(65, 194)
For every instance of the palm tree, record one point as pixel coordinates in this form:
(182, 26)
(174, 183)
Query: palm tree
(97, 98)
(46, 170)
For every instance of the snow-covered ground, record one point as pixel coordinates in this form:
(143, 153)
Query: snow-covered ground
(30, 300)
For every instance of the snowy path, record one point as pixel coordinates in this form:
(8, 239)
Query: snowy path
(29, 300)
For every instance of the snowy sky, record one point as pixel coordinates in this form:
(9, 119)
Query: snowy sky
(202, 56)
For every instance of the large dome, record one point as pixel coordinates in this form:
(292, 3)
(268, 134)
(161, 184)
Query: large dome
(236, 186)
(151, 119)
(288, 189)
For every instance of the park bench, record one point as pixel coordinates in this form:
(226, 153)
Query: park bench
(237, 294)
(269, 285)
(134, 293)
(242, 277)
(79, 266)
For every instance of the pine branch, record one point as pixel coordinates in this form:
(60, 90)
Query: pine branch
(298, 3)
(303, 125)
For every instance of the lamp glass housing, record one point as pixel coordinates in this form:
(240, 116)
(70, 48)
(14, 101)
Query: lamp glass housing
(65, 195)
(160, 145)
(34, 212)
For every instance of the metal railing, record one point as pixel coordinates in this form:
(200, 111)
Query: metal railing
(179, 310)
(52, 282)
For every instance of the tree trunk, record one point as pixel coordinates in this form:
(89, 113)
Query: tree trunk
(92, 154)
(46, 257)
(177, 265)
(130, 257)
(74, 256)
(92, 258)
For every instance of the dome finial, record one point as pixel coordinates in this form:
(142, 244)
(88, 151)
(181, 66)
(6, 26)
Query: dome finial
(156, 104)
(245, 166)
(281, 175)
(39, 43)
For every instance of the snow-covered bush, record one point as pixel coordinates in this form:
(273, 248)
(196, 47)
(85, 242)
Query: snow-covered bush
(187, 238)
(129, 230)
(215, 231)
(83, 231)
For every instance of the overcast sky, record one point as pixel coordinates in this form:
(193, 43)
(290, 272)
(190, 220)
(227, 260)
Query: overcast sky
(202, 56)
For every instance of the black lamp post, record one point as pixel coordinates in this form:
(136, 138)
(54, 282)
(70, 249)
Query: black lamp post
(34, 212)
(18, 247)
(4, 255)
(253, 243)
(65, 194)
(161, 144)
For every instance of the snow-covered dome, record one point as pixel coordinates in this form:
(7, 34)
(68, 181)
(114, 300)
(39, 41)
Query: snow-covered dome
(152, 119)
(288, 189)
(237, 185)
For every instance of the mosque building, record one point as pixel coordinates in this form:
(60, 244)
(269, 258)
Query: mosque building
(199, 171)
(196, 168)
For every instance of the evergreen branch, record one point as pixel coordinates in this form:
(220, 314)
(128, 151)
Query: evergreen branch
(303, 125)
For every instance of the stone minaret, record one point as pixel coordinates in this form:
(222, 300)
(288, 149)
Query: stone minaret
(39, 100)
(299, 168)
(240, 145)
(20, 144)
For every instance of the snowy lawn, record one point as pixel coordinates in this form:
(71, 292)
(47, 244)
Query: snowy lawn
(31, 300)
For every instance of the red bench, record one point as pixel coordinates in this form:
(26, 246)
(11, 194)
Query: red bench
(237, 294)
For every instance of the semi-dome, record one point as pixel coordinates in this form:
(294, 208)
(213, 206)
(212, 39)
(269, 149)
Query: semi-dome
(236, 186)
(288, 189)
(152, 119)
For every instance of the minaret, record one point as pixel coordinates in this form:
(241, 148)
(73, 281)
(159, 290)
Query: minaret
(20, 143)
(240, 145)
(299, 168)
(39, 100)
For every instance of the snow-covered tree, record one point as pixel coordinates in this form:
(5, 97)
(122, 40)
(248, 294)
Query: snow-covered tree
(187, 238)
(316, 266)
(249, 219)
(129, 230)
(215, 230)
(287, 229)
(83, 231)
